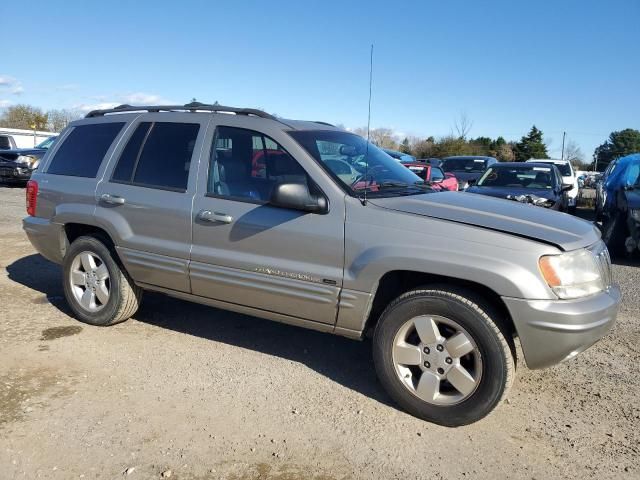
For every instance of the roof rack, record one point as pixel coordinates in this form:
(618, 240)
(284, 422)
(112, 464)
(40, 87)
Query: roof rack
(192, 107)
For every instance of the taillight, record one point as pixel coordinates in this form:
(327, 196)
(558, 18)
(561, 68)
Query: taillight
(32, 197)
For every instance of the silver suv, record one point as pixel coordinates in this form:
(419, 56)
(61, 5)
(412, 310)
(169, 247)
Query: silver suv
(307, 224)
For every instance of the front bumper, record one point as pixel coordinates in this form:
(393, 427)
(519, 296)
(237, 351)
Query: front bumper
(10, 172)
(551, 331)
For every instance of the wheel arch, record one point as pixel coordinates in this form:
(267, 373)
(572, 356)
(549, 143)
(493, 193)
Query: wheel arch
(397, 282)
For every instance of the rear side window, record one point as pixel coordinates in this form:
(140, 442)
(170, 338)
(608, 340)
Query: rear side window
(158, 155)
(83, 150)
(5, 144)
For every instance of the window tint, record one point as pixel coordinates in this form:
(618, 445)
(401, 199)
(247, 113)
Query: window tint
(5, 144)
(246, 164)
(158, 155)
(84, 149)
(124, 170)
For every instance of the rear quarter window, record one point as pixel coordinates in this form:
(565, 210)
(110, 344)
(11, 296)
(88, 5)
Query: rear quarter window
(83, 151)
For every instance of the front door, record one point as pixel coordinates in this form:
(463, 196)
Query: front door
(250, 253)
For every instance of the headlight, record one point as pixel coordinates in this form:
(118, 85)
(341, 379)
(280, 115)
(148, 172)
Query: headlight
(27, 160)
(635, 214)
(579, 273)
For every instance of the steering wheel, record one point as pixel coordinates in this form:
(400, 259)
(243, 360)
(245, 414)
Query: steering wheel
(366, 175)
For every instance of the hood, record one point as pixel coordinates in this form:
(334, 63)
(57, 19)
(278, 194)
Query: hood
(502, 192)
(16, 152)
(565, 231)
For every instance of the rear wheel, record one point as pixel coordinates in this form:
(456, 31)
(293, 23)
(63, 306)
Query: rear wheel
(442, 357)
(97, 289)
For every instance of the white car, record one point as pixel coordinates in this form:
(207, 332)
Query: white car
(569, 177)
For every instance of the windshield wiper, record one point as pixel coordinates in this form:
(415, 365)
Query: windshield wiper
(391, 184)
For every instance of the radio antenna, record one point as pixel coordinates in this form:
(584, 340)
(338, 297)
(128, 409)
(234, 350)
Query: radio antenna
(366, 153)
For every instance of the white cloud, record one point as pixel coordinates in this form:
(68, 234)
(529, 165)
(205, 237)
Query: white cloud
(141, 98)
(87, 107)
(110, 101)
(12, 84)
(4, 103)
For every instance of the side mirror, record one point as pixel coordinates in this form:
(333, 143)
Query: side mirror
(297, 196)
(566, 187)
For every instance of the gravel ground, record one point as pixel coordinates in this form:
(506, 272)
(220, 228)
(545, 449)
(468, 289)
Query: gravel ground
(199, 393)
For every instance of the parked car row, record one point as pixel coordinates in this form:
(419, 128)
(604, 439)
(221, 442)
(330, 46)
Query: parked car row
(545, 182)
(17, 164)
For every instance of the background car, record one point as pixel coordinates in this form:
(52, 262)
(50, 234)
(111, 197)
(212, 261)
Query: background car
(17, 165)
(621, 210)
(467, 169)
(401, 157)
(536, 183)
(601, 193)
(568, 177)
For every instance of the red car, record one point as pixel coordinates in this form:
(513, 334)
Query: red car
(434, 176)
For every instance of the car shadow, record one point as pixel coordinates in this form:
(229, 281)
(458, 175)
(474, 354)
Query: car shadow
(347, 362)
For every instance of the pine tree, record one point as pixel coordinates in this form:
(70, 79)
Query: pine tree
(531, 146)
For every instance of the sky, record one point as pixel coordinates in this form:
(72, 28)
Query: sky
(564, 65)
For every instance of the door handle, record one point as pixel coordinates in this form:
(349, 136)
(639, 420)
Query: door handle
(112, 199)
(209, 216)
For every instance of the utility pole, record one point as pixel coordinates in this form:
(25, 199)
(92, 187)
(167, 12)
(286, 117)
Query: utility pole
(564, 134)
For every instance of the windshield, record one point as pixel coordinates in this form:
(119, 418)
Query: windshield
(343, 154)
(463, 165)
(47, 143)
(565, 169)
(518, 177)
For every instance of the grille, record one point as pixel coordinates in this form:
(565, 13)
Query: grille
(7, 171)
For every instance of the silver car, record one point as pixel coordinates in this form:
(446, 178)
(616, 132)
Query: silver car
(304, 223)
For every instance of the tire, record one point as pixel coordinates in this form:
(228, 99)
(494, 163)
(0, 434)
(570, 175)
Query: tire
(115, 297)
(614, 234)
(491, 363)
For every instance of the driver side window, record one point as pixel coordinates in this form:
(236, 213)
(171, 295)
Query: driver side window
(245, 165)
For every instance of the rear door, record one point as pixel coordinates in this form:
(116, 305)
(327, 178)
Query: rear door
(250, 253)
(145, 198)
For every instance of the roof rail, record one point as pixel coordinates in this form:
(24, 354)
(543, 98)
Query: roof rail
(192, 107)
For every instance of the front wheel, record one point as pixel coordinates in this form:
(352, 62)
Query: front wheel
(442, 357)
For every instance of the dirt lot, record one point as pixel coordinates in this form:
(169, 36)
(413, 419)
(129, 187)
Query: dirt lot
(208, 394)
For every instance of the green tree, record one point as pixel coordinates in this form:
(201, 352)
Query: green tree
(24, 116)
(405, 147)
(531, 146)
(617, 145)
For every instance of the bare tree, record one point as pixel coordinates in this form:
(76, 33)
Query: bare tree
(59, 119)
(572, 152)
(383, 137)
(463, 125)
